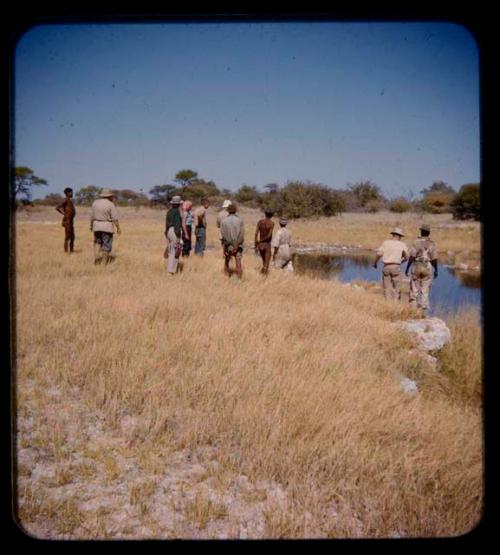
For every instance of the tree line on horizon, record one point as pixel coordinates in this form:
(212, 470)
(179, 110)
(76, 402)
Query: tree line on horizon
(295, 199)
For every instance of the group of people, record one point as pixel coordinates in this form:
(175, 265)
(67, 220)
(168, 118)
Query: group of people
(178, 229)
(422, 260)
(181, 221)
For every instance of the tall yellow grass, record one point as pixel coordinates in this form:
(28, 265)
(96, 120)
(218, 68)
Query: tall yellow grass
(289, 378)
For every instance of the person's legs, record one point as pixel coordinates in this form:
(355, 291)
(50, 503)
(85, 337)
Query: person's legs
(396, 282)
(266, 258)
(106, 246)
(186, 247)
(425, 289)
(413, 291)
(97, 247)
(386, 282)
(199, 247)
(72, 239)
(239, 269)
(172, 262)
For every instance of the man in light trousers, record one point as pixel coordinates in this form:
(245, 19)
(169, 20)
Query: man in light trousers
(392, 252)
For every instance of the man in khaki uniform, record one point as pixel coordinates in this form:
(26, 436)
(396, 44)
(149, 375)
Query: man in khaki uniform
(220, 216)
(392, 252)
(281, 244)
(233, 235)
(103, 220)
(424, 264)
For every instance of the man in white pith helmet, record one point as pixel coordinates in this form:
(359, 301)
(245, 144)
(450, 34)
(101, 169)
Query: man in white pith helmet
(393, 253)
(220, 216)
(103, 221)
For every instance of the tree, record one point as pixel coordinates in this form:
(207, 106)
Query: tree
(301, 200)
(161, 194)
(247, 194)
(199, 189)
(24, 179)
(184, 178)
(87, 195)
(438, 187)
(52, 199)
(467, 202)
(367, 195)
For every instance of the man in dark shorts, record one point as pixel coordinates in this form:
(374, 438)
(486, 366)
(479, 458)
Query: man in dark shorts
(232, 231)
(263, 237)
(67, 209)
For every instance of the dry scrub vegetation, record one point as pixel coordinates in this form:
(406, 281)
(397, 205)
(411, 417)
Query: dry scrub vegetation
(202, 407)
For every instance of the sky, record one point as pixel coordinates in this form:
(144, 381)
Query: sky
(130, 105)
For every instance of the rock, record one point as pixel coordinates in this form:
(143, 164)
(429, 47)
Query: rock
(409, 386)
(431, 361)
(431, 334)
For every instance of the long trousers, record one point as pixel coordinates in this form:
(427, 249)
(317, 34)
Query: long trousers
(391, 281)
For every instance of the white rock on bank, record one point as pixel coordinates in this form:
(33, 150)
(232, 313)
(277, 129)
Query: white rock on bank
(409, 386)
(431, 334)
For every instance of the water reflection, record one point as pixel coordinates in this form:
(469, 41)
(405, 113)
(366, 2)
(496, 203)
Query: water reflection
(451, 291)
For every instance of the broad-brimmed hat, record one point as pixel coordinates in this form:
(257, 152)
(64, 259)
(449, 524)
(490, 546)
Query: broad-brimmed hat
(425, 227)
(106, 193)
(176, 199)
(397, 231)
(226, 203)
(283, 221)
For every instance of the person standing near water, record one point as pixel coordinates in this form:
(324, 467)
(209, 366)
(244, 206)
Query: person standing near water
(424, 264)
(281, 244)
(220, 216)
(67, 209)
(263, 237)
(392, 252)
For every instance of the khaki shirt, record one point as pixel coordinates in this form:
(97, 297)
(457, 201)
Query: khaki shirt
(426, 243)
(102, 215)
(232, 229)
(392, 252)
(282, 241)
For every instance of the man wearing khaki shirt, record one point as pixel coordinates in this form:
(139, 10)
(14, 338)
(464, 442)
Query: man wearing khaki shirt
(103, 220)
(232, 231)
(392, 252)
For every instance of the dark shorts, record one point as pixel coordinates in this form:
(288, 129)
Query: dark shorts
(104, 239)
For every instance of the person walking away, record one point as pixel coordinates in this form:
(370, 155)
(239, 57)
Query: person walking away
(67, 209)
(200, 229)
(281, 245)
(103, 222)
(233, 235)
(263, 237)
(220, 216)
(393, 252)
(423, 262)
(173, 233)
(187, 226)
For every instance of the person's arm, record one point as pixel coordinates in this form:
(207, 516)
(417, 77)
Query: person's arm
(377, 258)
(114, 219)
(435, 266)
(256, 238)
(184, 228)
(60, 207)
(404, 254)
(410, 262)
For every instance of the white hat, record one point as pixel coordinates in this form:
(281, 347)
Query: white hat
(176, 199)
(397, 231)
(106, 193)
(226, 203)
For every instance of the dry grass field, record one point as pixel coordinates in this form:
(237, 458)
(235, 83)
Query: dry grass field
(197, 406)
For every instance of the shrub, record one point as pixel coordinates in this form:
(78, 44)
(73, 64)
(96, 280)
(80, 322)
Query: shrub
(399, 205)
(467, 202)
(303, 200)
(437, 202)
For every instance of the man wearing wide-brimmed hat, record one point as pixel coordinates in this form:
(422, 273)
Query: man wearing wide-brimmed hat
(281, 244)
(423, 262)
(173, 233)
(392, 252)
(103, 221)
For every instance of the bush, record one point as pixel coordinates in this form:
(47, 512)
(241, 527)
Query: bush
(467, 202)
(248, 195)
(399, 205)
(437, 202)
(303, 200)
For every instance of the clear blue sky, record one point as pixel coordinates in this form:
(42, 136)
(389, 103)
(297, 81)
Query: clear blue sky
(129, 105)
